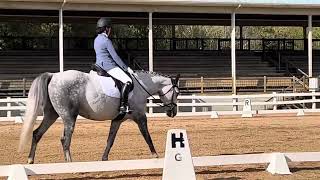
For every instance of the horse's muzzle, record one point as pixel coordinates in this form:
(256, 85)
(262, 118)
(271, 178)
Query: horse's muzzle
(172, 112)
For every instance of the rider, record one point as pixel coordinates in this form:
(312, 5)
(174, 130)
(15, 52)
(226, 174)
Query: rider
(108, 59)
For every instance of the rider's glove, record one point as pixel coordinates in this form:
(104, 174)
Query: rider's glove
(130, 70)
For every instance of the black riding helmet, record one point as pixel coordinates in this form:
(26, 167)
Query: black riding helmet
(104, 22)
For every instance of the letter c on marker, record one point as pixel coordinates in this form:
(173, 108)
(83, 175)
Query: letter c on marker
(178, 157)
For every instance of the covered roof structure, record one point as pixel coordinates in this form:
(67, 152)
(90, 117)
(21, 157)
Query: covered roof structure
(200, 12)
(17, 15)
(298, 7)
(224, 12)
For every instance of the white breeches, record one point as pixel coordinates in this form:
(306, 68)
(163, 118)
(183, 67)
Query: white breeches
(120, 75)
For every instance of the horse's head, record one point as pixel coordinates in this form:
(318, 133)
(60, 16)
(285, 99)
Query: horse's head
(169, 94)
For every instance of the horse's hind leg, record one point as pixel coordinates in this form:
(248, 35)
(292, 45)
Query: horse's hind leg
(69, 123)
(50, 116)
(141, 120)
(115, 124)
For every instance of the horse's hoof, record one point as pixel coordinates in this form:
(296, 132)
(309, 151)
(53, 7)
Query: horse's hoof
(104, 159)
(155, 155)
(30, 161)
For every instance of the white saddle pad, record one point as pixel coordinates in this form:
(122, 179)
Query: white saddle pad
(107, 85)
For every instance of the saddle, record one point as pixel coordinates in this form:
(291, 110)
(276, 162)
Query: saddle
(102, 72)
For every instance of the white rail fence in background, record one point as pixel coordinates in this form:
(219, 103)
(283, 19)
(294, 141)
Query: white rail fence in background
(13, 108)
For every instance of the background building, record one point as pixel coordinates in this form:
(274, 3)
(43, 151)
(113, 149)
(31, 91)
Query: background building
(226, 46)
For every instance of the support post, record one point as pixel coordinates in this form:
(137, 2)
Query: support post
(202, 83)
(305, 42)
(233, 52)
(264, 83)
(150, 43)
(241, 38)
(61, 37)
(310, 45)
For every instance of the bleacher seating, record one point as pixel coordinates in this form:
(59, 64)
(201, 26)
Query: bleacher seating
(26, 64)
(19, 68)
(209, 65)
(301, 62)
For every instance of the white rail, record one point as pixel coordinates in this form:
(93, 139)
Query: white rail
(19, 104)
(177, 163)
(120, 165)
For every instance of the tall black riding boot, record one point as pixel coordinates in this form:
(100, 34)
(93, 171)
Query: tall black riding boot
(124, 108)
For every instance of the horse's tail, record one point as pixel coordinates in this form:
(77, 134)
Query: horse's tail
(37, 98)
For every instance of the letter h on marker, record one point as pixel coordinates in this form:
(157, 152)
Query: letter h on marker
(174, 139)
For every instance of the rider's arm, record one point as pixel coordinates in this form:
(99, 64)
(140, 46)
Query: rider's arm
(115, 56)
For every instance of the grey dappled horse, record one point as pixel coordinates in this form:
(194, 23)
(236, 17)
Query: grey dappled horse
(72, 93)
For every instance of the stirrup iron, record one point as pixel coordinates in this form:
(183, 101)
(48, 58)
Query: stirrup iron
(126, 110)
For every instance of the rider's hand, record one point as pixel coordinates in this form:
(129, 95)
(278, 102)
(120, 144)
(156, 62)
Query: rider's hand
(130, 70)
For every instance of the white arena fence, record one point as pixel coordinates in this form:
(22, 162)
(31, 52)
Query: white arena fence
(177, 163)
(12, 109)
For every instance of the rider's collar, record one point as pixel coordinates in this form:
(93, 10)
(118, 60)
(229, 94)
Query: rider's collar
(105, 34)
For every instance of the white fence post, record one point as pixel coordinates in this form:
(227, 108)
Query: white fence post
(193, 102)
(274, 101)
(234, 100)
(151, 107)
(314, 105)
(9, 105)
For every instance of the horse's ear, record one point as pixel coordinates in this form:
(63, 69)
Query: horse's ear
(177, 77)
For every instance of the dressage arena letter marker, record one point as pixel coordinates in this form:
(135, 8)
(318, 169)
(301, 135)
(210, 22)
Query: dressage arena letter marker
(247, 110)
(214, 115)
(300, 112)
(18, 172)
(18, 119)
(278, 164)
(174, 140)
(178, 161)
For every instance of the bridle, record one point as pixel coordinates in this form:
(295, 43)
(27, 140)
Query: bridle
(170, 105)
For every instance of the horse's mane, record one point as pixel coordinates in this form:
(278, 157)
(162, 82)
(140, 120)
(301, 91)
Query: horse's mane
(152, 73)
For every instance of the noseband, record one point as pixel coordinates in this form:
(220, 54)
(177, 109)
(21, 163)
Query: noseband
(172, 104)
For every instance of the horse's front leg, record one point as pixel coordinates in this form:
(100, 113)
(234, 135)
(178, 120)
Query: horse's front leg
(115, 124)
(141, 120)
